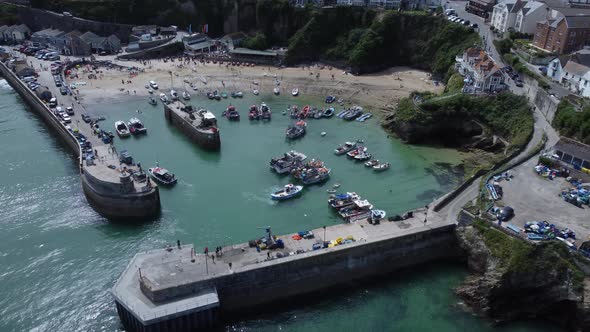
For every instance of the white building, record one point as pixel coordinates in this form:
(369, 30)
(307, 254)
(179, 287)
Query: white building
(504, 14)
(481, 73)
(572, 71)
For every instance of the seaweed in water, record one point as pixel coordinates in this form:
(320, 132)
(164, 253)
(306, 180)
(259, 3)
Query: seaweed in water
(447, 175)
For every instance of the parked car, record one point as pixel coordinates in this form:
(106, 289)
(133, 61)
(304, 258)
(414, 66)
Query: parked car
(69, 110)
(66, 118)
(154, 85)
(474, 25)
(466, 22)
(52, 102)
(63, 90)
(86, 118)
(519, 83)
(58, 84)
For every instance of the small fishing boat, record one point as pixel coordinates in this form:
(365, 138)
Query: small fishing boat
(331, 191)
(372, 163)
(355, 152)
(343, 113)
(317, 176)
(323, 133)
(173, 95)
(336, 186)
(364, 117)
(344, 148)
(341, 201)
(152, 101)
(362, 156)
(287, 162)
(353, 114)
(224, 95)
(330, 99)
(318, 114)
(162, 175)
(122, 129)
(276, 91)
(239, 94)
(136, 127)
(284, 112)
(232, 114)
(295, 92)
(293, 112)
(328, 113)
(164, 98)
(295, 131)
(381, 167)
(304, 112)
(377, 215)
(210, 95)
(255, 92)
(289, 191)
(253, 113)
(265, 113)
(186, 95)
(216, 95)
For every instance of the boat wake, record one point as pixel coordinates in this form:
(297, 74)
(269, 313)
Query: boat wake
(250, 196)
(5, 86)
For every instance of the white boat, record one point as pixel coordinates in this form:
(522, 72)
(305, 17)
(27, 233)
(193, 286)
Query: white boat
(151, 91)
(173, 95)
(344, 148)
(289, 191)
(186, 95)
(239, 94)
(164, 98)
(122, 129)
(136, 127)
(202, 79)
(276, 91)
(162, 175)
(377, 214)
(381, 167)
(372, 163)
(255, 92)
(295, 92)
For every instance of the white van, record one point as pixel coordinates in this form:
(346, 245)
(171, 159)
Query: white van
(29, 79)
(154, 85)
(53, 102)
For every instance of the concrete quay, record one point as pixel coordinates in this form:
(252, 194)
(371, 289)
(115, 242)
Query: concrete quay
(201, 130)
(108, 186)
(167, 287)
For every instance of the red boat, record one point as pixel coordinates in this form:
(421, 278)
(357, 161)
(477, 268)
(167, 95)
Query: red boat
(231, 113)
(304, 112)
(253, 113)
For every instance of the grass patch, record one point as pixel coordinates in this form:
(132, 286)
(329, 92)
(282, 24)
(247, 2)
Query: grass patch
(571, 123)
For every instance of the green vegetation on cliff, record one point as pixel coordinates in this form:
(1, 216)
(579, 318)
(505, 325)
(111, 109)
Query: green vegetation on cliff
(571, 123)
(8, 14)
(505, 114)
(519, 256)
(368, 42)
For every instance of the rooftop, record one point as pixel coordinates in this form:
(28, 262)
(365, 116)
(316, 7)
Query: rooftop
(574, 148)
(247, 51)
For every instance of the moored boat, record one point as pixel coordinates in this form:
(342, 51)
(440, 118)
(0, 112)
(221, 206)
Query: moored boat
(329, 112)
(289, 191)
(164, 98)
(136, 127)
(253, 113)
(372, 163)
(293, 111)
(152, 101)
(287, 162)
(162, 175)
(318, 114)
(381, 167)
(344, 148)
(295, 131)
(265, 113)
(304, 112)
(364, 117)
(340, 201)
(255, 92)
(223, 94)
(354, 113)
(377, 215)
(360, 209)
(122, 129)
(173, 95)
(330, 99)
(362, 156)
(186, 95)
(276, 91)
(353, 153)
(295, 92)
(239, 94)
(232, 113)
(316, 175)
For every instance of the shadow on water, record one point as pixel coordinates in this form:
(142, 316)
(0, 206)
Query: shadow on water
(447, 175)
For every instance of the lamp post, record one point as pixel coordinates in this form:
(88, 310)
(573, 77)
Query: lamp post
(324, 233)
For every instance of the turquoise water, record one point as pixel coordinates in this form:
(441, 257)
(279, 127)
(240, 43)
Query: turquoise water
(59, 259)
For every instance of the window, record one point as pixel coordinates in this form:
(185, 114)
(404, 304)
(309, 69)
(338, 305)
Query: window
(572, 34)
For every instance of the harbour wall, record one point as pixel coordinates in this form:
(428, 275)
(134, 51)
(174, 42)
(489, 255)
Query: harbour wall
(206, 141)
(284, 278)
(106, 199)
(115, 205)
(39, 107)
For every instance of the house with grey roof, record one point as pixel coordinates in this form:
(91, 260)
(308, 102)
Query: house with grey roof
(110, 44)
(573, 71)
(7, 34)
(20, 33)
(520, 15)
(47, 37)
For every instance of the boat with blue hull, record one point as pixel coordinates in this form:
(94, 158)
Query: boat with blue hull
(364, 117)
(353, 114)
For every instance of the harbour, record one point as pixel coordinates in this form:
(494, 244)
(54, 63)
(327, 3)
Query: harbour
(61, 228)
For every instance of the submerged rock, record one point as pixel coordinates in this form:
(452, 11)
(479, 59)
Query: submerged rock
(513, 279)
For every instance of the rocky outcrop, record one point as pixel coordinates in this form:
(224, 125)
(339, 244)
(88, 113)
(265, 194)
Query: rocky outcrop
(525, 282)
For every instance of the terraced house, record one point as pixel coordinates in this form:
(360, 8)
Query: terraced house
(564, 31)
(481, 73)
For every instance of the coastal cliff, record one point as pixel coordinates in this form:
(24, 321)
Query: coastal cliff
(513, 279)
(489, 123)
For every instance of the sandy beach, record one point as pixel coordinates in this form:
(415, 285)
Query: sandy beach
(376, 91)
